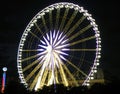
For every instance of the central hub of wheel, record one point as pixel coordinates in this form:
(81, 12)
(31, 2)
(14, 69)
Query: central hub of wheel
(49, 48)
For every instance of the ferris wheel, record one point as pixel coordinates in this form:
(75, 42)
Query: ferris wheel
(60, 45)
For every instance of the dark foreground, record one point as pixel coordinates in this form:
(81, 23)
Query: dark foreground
(108, 88)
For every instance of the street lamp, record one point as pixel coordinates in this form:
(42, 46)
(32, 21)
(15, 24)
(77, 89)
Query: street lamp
(3, 79)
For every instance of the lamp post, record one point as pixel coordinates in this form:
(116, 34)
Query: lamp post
(3, 79)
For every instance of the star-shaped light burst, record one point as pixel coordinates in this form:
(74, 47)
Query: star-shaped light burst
(53, 50)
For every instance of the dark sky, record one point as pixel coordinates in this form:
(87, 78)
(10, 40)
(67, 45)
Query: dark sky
(15, 15)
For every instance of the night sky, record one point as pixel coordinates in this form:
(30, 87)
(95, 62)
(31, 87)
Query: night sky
(15, 15)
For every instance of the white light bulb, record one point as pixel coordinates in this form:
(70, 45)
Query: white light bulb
(4, 69)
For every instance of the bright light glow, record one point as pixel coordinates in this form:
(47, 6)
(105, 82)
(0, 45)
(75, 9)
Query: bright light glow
(4, 68)
(92, 78)
(54, 50)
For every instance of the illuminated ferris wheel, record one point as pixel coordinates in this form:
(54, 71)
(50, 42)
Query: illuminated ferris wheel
(60, 45)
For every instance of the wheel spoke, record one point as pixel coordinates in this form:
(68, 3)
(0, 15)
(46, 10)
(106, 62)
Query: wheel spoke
(57, 19)
(39, 29)
(82, 50)
(35, 35)
(76, 68)
(64, 19)
(32, 64)
(41, 63)
(82, 40)
(62, 74)
(30, 57)
(80, 32)
(33, 72)
(44, 23)
(40, 77)
(67, 26)
(76, 25)
(50, 20)
(34, 56)
(71, 75)
(34, 50)
(35, 80)
(61, 70)
(44, 78)
(56, 76)
(49, 76)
